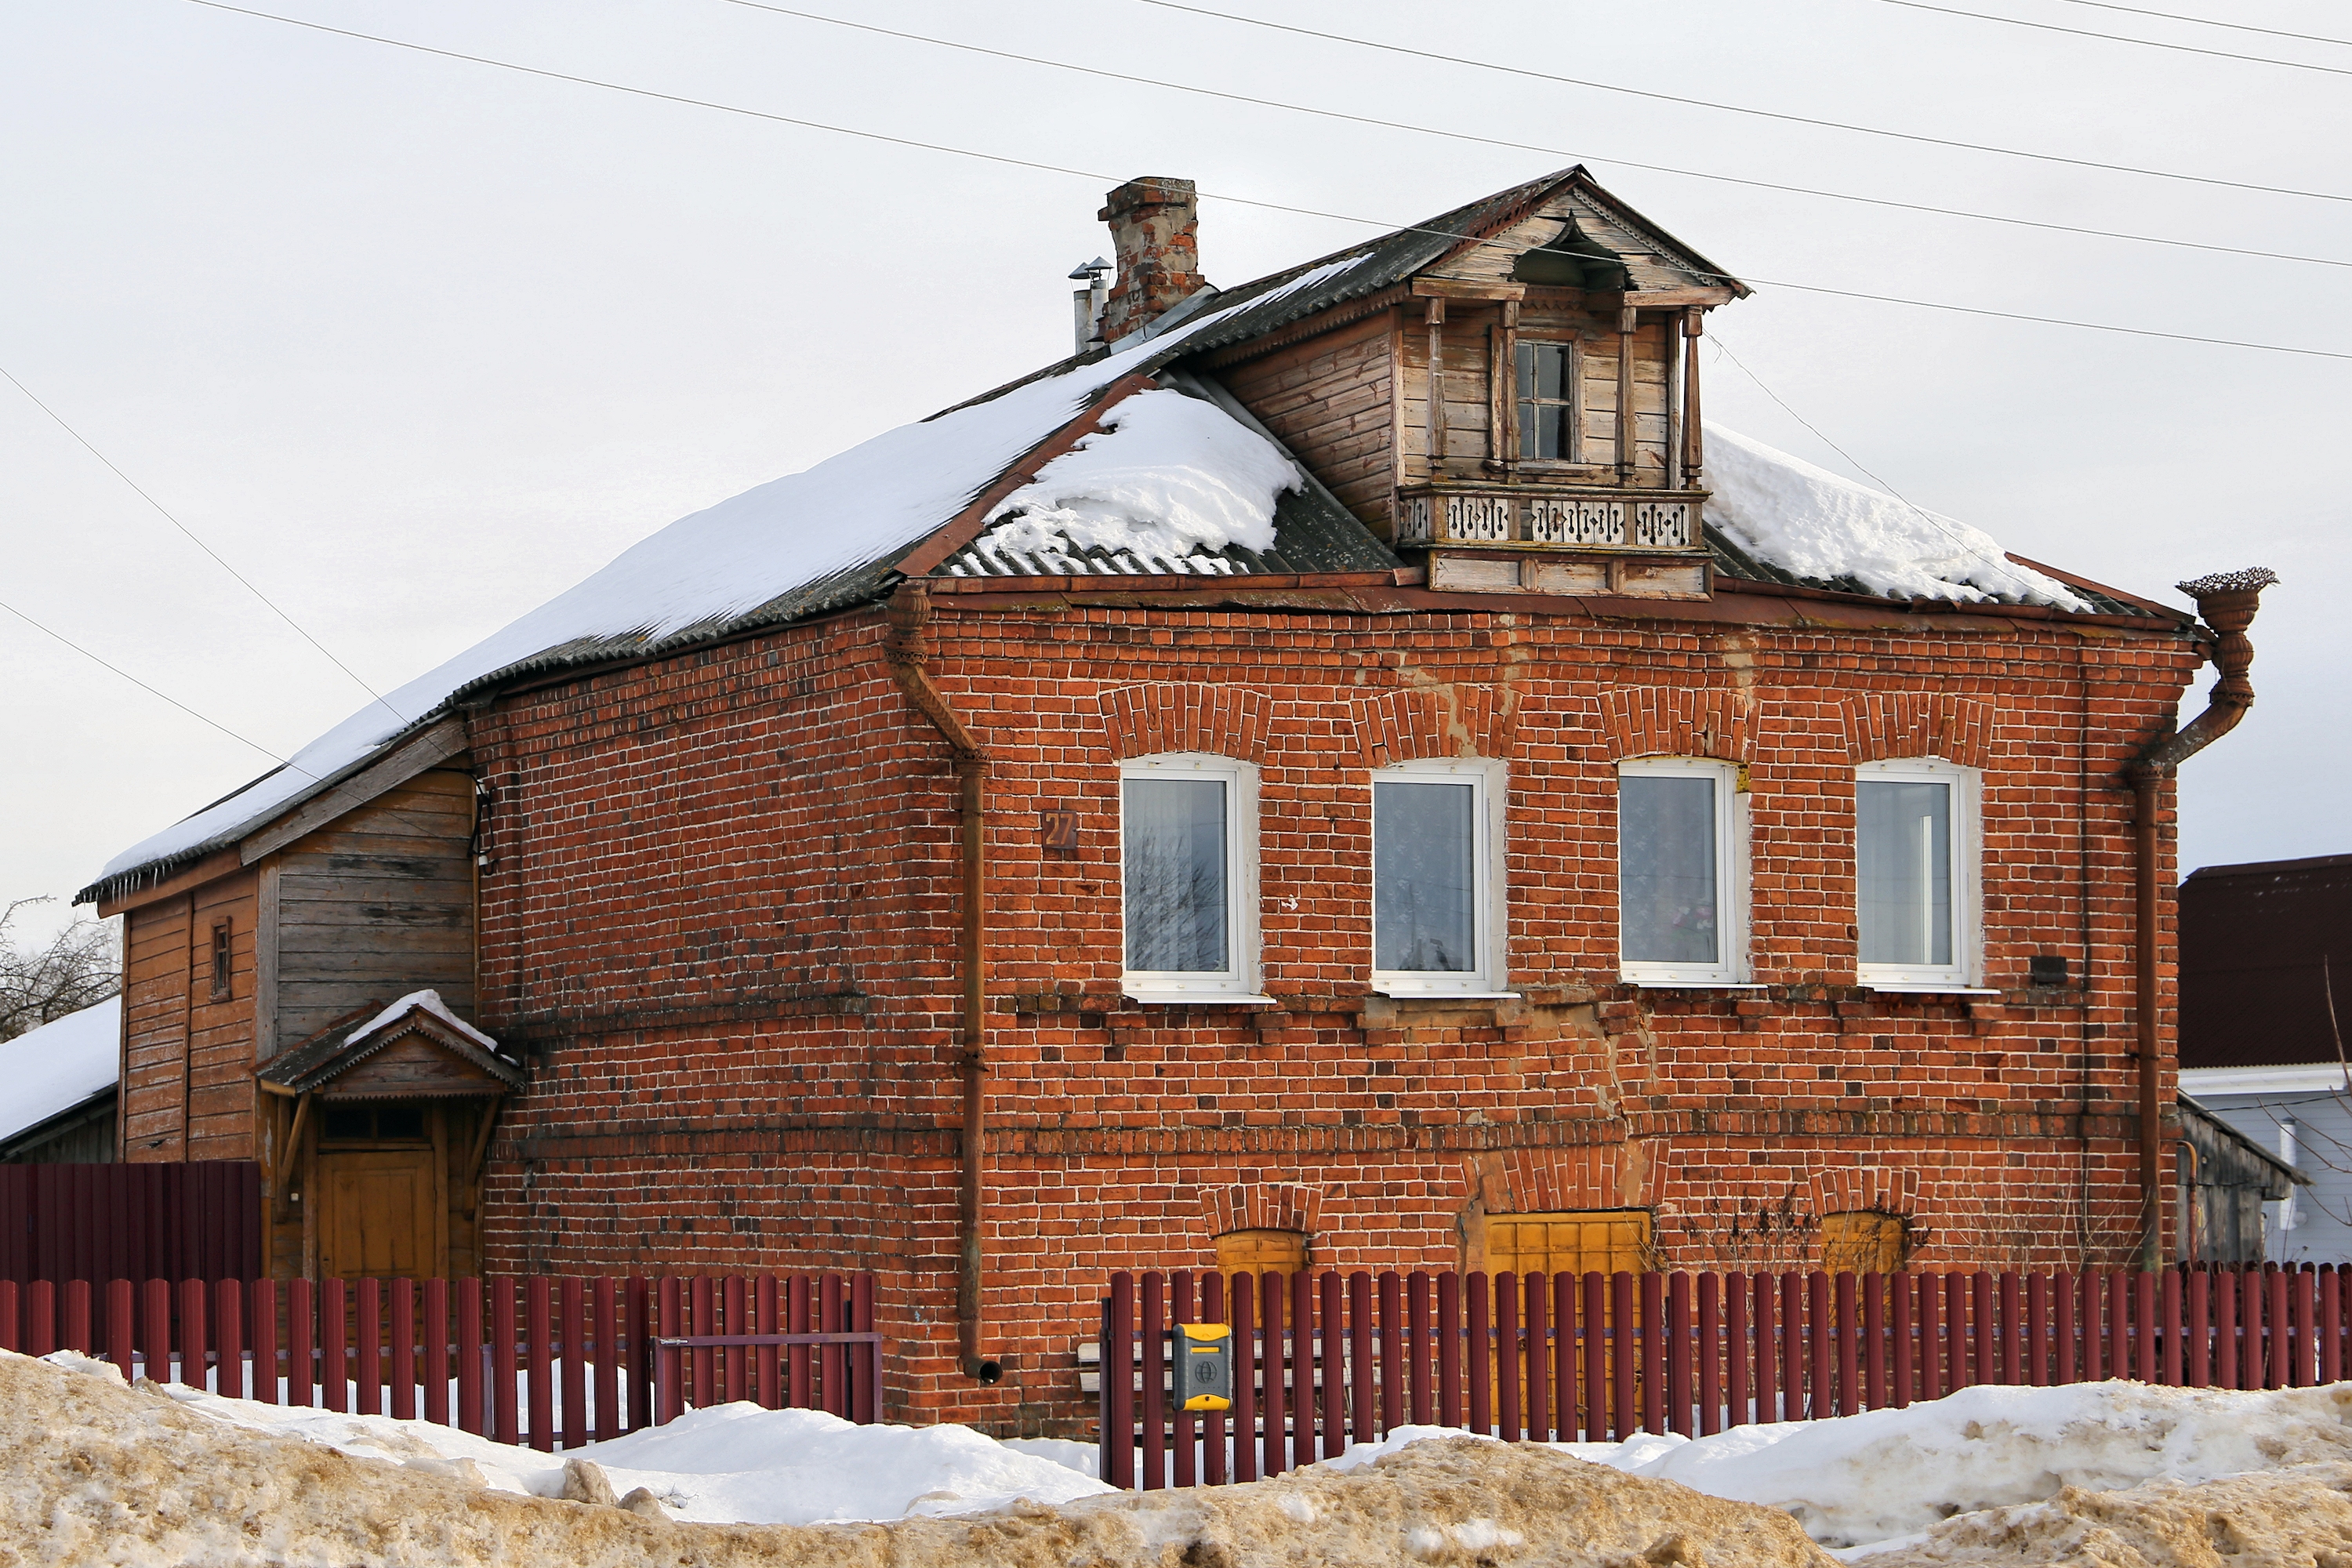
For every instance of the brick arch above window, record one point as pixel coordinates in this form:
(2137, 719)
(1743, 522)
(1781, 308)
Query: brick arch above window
(1262, 1205)
(1889, 725)
(1149, 720)
(1542, 1181)
(1426, 722)
(1853, 1189)
(1677, 722)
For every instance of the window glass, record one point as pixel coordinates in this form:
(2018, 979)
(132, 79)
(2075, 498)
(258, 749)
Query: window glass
(1174, 842)
(1544, 372)
(1903, 866)
(1424, 877)
(1666, 868)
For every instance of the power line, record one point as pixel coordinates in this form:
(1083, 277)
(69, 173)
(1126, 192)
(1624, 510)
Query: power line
(2209, 22)
(1740, 108)
(165, 513)
(2116, 38)
(1238, 201)
(1524, 146)
(142, 685)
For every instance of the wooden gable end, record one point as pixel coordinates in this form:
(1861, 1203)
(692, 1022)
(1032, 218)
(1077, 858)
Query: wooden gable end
(413, 1066)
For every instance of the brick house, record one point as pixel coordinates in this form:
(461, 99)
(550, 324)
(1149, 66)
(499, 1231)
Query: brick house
(1348, 768)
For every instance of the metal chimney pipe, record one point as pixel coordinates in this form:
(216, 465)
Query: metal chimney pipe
(1087, 303)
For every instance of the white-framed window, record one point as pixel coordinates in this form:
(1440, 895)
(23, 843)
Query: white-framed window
(1438, 910)
(1681, 871)
(1915, 873)
(1188, 876)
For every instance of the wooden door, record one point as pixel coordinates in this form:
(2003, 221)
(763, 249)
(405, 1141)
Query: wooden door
(381, 1219)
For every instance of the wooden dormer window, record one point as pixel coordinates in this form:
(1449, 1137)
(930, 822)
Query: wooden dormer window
(220, 961)
(1548, 412)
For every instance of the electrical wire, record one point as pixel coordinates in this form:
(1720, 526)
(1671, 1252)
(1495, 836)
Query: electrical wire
(2116, 38)
(218, 559)
(1523, 146)
(152, 692)
(1739, 108)
(1010, 162)
(2209, 22)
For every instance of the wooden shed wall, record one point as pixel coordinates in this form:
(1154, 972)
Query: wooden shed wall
(375, 904)
(188, 1089)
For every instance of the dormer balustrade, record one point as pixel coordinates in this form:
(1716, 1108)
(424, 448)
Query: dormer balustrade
(1549, 539)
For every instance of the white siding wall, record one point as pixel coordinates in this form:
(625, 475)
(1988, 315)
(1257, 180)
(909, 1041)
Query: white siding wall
(2322, 1229)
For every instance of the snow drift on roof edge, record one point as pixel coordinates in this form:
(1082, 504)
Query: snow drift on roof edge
(854, 508)
(57, 1067)
(1788, 513)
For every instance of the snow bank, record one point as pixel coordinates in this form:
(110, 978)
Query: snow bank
(1167, 474)
(430, 1002)
(857, 508)
(1788, 513)
(93, 1472)
(59, 1065)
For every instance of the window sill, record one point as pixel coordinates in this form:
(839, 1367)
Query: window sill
(1696, 984)
(1198, 999)
(1397, 995)
(1927, 988)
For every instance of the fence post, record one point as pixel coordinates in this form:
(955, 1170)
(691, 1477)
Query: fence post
(505, 1396)
(1905, 1362)
(2012, 1350)
(1506, 1364)
(401, 1323)
(1988, 1367)
(2037, 1329)
(1104, 1430)
(538, 1358)
(2280, 1329)
(1737, 1412)
(229, 1318)
(2119, 1328)
(830, 1361)
(1363, 1423)
(2144, 1327)
(2331, 1324)
(1305, 1359)
(2171, 1326)
(119, 1340)
(370, 1348)
(436, 1351)
(764, 1310)
(469, 1357)
(41, 1333)
(703, 1375)
(1449, 1349)
(1767, 1359)
(1564, 1359)
(2225, 1328)
(1245, 1378)
(1187, 1424)
(735, 1382)
(1848, 1332)
(1417, 1349)
(1212, 1431)
(1794, 1405)
(572, 1307)
(11, 1316)
(1593, 1325)
(1117, 1355)
(865, 1391)
(262, 1303)
(1625, 1343)
(637, 1351)
(1332, 1363)
(194, 1340)
(669, 1394)
(1274, 1402)
(1393, 1371)
(1957, 1373)
(1154, 1346)
(77, 1325)
(1478, 1338)
(1538, 1361)
(334, 1329)
(1874, 1340)
(1678, 1353)
(1822, 1400)
(797, 1358)
(607, 1323)
(2199, 1349)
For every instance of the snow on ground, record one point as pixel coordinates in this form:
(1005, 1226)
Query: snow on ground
(854, 508)
(1168, 474)
(1790, 514)
(59, 1065)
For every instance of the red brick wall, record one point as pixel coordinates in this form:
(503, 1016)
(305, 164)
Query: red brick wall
(723, 911)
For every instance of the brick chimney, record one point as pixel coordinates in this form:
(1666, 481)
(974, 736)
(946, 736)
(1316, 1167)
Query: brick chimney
(1152, 226)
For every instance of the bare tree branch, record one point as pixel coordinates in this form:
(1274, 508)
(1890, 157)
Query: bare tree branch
(75, 969)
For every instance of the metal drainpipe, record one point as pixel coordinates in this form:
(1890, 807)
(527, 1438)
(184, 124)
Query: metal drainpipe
(906, 650)
(2227, 602)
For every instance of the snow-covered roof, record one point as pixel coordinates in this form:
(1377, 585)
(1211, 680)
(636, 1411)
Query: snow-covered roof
(66, 1062)
(427, 1002)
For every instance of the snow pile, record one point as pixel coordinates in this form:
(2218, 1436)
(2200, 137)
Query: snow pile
(430, 1001)
(58, 1065)
(91, 1472)
(1167, 476)
(857, 508)
(1887, 1473)
(1788, 513)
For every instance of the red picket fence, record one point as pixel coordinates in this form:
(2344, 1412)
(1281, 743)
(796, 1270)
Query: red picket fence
(1322, 1360)
(168, 1220)
(550, 1362)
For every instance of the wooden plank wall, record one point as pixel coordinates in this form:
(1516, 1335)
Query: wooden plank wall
(188, 1089)
(1328, 400)
(378, 903)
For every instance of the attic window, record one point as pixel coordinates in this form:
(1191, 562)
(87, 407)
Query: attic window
(1548, 402)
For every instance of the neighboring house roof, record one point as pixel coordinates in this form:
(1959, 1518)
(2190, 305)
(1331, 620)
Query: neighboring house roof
(2220, 1145)
(933, 497)
(61, 1068)
(2266, 963)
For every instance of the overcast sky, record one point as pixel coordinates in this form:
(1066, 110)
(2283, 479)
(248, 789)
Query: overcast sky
(414, 342)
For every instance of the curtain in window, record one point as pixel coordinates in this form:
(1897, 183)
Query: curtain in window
(1903, 861)
(1424, 877)
(1665, 868)
(1174, 844)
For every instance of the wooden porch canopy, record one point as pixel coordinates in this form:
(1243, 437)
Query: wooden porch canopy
(419, 1051)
